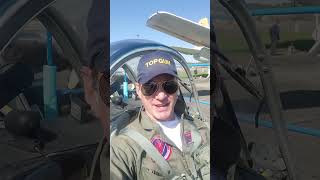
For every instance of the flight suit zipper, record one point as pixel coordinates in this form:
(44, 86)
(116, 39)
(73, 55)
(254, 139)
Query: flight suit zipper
(185, 163)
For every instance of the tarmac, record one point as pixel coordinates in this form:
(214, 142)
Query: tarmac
(295, 77)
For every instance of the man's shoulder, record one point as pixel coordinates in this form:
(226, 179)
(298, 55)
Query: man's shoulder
(124, 119)
(133, 124)
(118, 138)
(196, 121)
(120, 141)
(123, 144)
(202, 127)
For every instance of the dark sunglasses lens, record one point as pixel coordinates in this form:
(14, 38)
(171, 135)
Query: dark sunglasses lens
(149, 88)
(170, 87)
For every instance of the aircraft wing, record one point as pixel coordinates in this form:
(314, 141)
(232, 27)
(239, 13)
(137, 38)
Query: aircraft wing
(187, 51)
(180, 28)
(202, 55)
(205, 52)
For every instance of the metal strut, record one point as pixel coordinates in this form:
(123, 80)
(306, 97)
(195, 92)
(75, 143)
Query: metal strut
(241, 14)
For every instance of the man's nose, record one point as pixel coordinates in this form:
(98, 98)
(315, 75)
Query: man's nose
(160, 94)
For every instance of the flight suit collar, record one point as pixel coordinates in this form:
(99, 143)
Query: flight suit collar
(145, 121)
(152, 129)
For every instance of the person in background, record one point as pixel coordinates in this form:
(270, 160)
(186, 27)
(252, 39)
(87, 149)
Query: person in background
(274, 37)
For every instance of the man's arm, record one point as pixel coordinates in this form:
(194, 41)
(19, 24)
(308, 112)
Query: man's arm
(122, 160)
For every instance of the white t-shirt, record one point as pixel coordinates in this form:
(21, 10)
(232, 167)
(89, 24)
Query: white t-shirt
(172, 130)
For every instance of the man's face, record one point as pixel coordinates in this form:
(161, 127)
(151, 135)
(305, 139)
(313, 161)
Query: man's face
(160, 105)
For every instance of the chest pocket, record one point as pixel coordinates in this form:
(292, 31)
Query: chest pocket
(164, 166)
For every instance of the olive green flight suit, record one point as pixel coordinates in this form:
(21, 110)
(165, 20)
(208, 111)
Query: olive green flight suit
(128, 160)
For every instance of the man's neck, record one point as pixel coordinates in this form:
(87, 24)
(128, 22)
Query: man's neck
(172, 117)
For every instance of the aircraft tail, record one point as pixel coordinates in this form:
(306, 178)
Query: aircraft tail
(204, 22)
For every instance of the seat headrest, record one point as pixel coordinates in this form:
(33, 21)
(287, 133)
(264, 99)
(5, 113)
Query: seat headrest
(180, 106)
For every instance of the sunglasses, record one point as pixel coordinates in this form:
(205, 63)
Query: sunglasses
(149, 88)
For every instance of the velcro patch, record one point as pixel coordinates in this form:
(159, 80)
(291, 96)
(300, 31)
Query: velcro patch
(164, 148)
(188, 137)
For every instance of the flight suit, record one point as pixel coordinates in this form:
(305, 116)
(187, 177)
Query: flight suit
(128, 160)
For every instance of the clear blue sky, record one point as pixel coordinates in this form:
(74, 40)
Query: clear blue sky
(128, 18)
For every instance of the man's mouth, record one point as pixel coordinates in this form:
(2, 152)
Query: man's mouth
(161, 107)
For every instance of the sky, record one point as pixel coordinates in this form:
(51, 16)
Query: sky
(128, 18)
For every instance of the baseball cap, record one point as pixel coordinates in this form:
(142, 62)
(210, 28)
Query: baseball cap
(154, 64)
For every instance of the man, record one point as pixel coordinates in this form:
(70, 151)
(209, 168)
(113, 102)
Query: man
(160, 143)
(95, 79)
(274, 37)
(95, 74)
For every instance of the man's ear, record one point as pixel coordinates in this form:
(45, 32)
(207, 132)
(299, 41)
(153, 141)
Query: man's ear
(138, 90)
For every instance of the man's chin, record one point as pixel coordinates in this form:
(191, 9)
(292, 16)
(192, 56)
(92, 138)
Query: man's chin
(163, 116)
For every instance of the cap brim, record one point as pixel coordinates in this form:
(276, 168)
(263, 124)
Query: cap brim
(151, 77)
